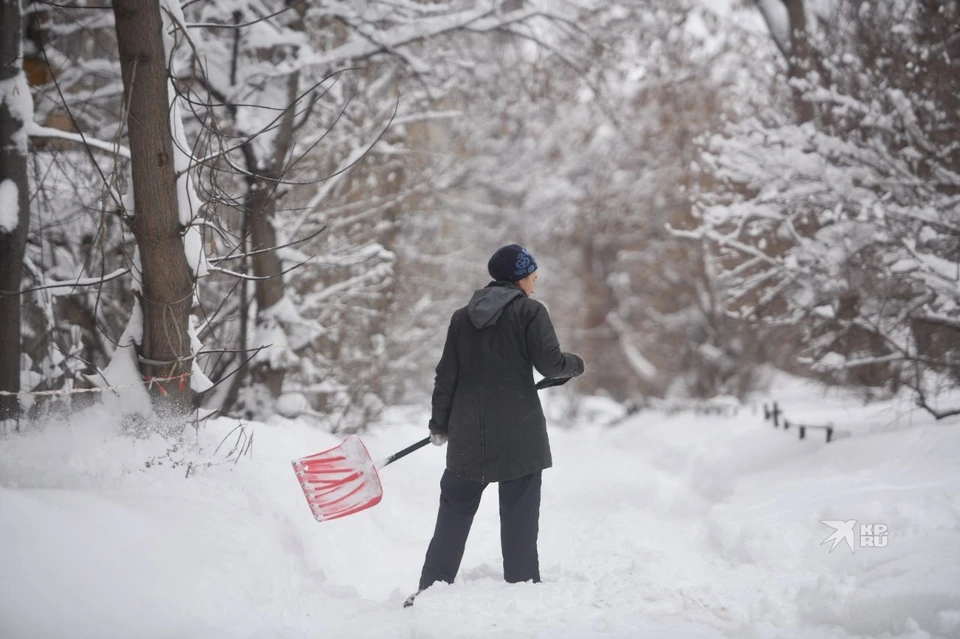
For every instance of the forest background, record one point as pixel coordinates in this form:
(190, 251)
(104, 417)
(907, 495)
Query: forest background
(272, 206)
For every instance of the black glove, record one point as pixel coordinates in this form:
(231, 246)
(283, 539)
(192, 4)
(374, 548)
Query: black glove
(552, 381)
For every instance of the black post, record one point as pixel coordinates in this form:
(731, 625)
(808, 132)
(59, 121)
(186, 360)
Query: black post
(766, 412)
(829, 433)
(776, 415)
(786, 425)
(803, 432)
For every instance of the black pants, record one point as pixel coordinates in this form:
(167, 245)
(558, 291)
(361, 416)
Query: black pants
(519, 527)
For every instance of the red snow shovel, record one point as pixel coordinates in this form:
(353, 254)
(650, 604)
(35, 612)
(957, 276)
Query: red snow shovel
(344, 480)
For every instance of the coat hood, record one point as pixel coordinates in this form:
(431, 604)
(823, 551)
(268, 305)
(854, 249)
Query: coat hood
(487, 304)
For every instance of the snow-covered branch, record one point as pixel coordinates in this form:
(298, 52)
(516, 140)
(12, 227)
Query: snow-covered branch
(34, 130)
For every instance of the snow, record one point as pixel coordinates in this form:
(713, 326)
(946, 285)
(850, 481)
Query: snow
(188, 202)
(196, 258)
(136, 282)
(638, 363)
(478, 19)
(74, 286)
(295, 404)
(123, 372)
(35, 130)
(133, 334)
(9, 206)
(677, 526)
(187, 199)
(15, 95)
(199, 382)
(270, 337)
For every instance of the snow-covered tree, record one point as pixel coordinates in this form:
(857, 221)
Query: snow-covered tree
(363, 83)
(75, 289)
(582, 150)
(304, 156)
(841, 218)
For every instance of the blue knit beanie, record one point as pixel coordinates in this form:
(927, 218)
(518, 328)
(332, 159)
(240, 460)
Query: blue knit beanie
(511, 263)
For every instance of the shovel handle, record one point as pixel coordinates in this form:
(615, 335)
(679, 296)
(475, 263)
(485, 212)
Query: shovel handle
(403, 453)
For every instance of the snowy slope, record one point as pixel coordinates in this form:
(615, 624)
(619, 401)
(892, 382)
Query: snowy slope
(679, 527)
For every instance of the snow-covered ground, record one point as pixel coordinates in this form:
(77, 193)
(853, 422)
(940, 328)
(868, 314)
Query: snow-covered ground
(678, 527)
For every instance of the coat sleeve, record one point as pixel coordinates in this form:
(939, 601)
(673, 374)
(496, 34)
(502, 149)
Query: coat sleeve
(544, 348)
(445, 383)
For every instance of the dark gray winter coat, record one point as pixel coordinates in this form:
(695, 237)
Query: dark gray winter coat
(484, 397)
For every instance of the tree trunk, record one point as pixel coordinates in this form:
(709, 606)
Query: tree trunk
(799, 62)
(795, 48)
(260, 210)
(598, 339)
(167, 286)
(13, 242)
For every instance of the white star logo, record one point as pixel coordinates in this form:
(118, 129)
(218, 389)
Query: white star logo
(842, 531)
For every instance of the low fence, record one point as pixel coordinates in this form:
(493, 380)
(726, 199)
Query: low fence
(772, 412)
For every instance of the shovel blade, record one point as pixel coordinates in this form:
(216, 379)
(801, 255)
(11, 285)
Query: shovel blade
(340, 481)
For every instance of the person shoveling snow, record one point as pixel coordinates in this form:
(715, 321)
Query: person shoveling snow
(486, 409)
(485, 404)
